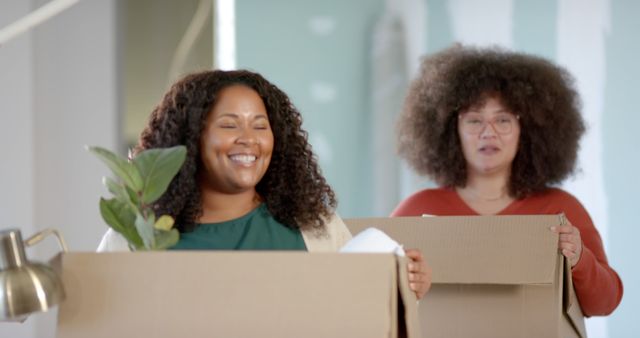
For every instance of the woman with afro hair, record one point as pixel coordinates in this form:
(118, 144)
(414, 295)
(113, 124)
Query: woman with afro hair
(250, 180)
(497, 130)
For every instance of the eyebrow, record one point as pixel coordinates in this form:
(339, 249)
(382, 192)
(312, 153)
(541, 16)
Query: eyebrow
(501, 111)
(235, 116)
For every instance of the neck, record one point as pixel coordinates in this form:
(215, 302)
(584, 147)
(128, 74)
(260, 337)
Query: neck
(220, 207)
(487, 187)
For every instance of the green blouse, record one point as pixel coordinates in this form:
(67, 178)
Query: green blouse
(257, 230)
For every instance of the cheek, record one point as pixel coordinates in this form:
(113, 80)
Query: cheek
(213, 142)
(515, 140)
(211, 149)
(513, 147)
(466, 142)
(267, 143)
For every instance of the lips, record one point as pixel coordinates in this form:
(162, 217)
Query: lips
(244, 159)
(488, 150)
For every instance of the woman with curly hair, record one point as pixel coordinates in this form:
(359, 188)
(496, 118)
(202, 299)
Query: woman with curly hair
(250, 180)
(497, 130)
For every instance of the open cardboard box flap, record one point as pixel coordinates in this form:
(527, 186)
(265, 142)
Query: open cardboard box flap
(235, 294)
(570, 301)
(472, 256)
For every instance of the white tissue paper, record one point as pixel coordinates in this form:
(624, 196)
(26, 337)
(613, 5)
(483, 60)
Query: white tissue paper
(373, 240)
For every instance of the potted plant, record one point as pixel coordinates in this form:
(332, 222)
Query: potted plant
(140, 182)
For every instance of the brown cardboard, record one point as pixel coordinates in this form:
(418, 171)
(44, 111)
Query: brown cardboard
(235, 294)
(493, 276)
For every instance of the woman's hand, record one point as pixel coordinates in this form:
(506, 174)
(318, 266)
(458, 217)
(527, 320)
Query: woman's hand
(570, 242)
(419, 273)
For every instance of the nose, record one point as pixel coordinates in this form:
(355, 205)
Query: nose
(488, 130)
(247, 136)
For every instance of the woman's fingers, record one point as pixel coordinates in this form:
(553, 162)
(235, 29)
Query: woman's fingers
(419, 273)
(568, 246)
(563, 229)
(570, 242)
(414, 254)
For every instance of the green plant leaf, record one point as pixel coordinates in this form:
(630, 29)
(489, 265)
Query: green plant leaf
(121, 219)
(133, 197)
(166, 239)
(165, 222)
(158, 167)
(123, 169)
(145, 230)
(122, 193)
(114, 188)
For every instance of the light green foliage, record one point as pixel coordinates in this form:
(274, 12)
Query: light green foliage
(139, 183)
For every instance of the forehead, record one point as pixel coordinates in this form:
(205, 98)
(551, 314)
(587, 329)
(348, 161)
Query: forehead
(490, 103)
(238, 99)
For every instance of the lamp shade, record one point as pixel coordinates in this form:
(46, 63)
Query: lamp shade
(25, 287)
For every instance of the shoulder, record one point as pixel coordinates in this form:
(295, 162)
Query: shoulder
(556, 201)
(113, 241)
(557, 193)
(557, 197)
(330, 238)
(427, 201)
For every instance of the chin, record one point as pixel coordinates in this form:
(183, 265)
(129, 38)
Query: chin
(244, 186)
(247, 183)
(487, 169)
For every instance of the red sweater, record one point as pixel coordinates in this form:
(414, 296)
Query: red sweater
(597, 285)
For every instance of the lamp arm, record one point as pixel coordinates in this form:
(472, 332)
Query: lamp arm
(40, 235)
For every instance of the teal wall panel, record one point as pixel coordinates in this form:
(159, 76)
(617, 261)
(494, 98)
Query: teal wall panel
(318, 53)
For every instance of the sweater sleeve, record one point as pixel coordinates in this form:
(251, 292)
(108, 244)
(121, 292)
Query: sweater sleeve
(597, 285)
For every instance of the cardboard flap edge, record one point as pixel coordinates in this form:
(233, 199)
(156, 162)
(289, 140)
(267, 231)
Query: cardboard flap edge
(408, 301)
(571, 306)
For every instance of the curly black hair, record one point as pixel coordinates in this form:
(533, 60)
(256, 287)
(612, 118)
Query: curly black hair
(293, 188)
(538, 91)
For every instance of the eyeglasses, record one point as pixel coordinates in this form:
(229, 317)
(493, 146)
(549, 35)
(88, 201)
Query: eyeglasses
(475, 124)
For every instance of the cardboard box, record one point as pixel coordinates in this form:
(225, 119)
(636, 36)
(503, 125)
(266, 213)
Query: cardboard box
(493, 276)
(235, 294)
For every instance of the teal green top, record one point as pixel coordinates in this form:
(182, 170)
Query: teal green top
(257, 230)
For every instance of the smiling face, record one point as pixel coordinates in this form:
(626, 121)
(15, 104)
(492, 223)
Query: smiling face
(237, 142)
(489, 133)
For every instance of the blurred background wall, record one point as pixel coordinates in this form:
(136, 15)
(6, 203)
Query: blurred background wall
(93, 74)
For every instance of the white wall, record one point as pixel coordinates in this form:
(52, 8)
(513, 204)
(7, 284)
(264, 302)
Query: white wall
(16, 137)
(59, 91)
